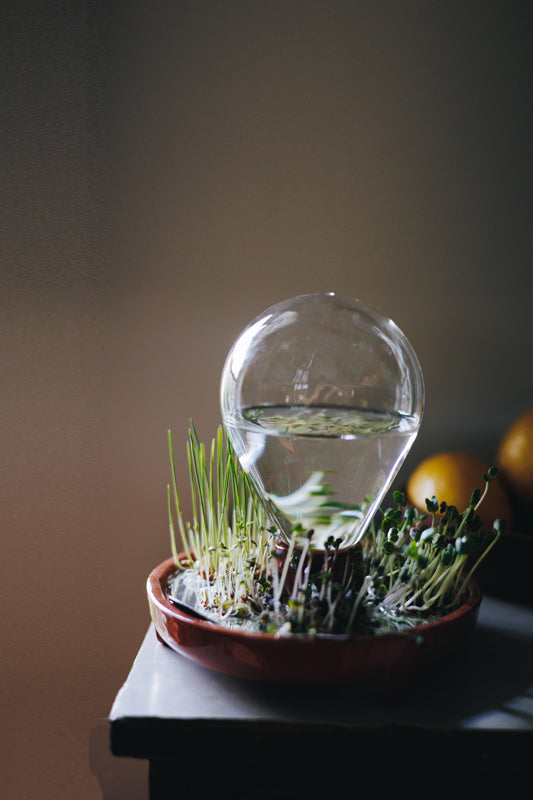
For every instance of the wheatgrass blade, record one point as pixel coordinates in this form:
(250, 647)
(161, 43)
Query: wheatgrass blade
(181, 524)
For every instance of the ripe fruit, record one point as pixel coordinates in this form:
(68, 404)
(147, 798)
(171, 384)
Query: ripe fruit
(515, 458)
(451, 477)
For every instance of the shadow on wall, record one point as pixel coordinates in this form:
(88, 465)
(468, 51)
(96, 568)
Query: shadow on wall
(119, 778)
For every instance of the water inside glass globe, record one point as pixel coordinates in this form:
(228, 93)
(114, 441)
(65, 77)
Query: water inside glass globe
(322, 397)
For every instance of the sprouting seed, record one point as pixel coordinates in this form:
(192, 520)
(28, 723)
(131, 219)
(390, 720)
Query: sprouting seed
(404, 570)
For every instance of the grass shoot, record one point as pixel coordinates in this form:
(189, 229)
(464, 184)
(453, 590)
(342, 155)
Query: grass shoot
(410, 566)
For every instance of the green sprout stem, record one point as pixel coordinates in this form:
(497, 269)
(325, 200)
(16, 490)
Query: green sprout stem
(411, 564)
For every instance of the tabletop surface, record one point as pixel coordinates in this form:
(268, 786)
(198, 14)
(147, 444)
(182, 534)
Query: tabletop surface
(486, 684)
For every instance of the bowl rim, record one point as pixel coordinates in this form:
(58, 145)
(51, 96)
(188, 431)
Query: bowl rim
(156, 594)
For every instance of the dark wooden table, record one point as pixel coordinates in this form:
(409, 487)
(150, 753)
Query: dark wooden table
(464, 730)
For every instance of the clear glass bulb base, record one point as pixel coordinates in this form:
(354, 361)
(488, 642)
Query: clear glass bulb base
(322, 397)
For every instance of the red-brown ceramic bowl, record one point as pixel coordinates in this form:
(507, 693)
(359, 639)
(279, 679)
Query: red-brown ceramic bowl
(383, 664)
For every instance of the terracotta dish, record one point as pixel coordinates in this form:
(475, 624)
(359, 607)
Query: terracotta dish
(382, 664)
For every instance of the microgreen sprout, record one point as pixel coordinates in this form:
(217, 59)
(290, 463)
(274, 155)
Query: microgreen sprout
(410, 565)
(226, 545)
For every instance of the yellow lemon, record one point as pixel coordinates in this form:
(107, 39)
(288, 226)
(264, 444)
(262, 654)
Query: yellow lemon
(515, 458)
(451, 477)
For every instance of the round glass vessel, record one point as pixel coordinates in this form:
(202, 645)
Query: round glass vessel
(322, 397)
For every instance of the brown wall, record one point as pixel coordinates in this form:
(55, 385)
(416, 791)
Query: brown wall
(171, 172)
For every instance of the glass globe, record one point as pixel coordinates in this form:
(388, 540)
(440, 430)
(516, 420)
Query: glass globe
(322, 397)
